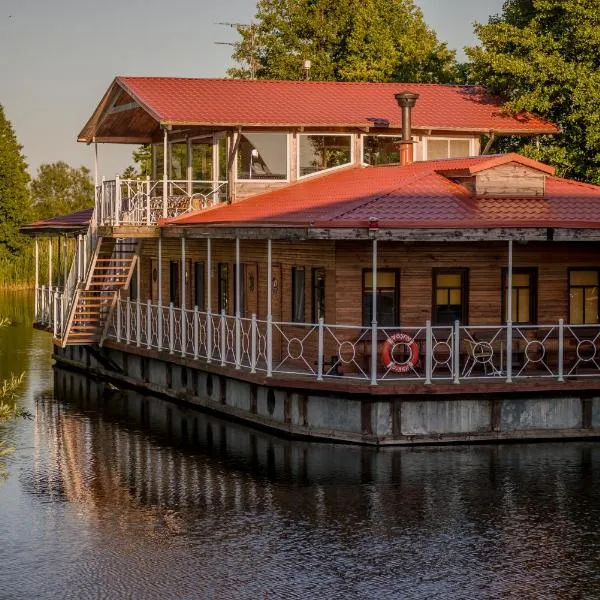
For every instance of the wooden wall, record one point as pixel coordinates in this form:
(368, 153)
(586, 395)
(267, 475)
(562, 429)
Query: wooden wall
(344, 262)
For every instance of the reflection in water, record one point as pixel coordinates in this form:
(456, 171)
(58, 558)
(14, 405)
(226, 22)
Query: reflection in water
(118, 495)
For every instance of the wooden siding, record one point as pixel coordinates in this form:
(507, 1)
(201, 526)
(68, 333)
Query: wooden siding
(510, 180)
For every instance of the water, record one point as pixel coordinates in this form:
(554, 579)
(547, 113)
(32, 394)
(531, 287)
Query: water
(116, 495)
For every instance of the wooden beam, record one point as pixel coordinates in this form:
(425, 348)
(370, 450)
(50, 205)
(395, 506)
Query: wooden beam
(122, 108)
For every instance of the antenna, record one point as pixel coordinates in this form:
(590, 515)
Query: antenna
(250, 27)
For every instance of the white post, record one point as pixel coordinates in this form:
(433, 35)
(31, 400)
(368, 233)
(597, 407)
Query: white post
(253, 350)
(95, 164)
(189, 167)
(165, 172)
(320, 352)
(159, 320)
(196, 327)
(374, 316)
(269, 308)
(428, 352)
(117, 206)
(223, 338)
(148, 324)
(64, 265)
(119, 319)
(456, 351)
(43, 304)
(78, 257)
(55, 315)
(509, 333)
(238, 323)
(148, 192)
(37, 278)
(171, 328)
(183, 320)
(50, 263)
(138, 322)
(561, 349)
(209, 321)
(128, 322)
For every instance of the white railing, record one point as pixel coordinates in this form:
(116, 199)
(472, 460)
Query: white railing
(320, 351)
(145, 201)
(52, 309)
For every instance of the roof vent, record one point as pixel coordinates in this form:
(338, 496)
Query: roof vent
(406, 101)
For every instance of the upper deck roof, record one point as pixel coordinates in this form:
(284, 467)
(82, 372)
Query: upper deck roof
(133, 108)
(73, 223)
(420, 196)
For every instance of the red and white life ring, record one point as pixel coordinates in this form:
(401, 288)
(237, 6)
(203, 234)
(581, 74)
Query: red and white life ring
(387, 353)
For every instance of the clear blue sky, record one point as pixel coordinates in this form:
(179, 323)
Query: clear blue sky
(57, 58)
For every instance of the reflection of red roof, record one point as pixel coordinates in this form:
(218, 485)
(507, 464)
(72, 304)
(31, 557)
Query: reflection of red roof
(262, 102)
(71, 223)
(416, 196)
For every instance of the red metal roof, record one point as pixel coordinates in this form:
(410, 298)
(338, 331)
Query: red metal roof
(71, 223)
(416, 196)
(240, 102)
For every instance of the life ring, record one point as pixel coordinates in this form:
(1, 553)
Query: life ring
(387, 350)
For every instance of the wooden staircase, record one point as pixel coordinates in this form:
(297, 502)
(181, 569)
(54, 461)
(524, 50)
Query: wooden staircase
(111, 271)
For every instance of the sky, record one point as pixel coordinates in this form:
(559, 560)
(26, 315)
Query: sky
(58, 57)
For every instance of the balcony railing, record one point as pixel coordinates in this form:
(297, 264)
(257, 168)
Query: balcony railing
(52, 309)
(145, 201)
(320, 351)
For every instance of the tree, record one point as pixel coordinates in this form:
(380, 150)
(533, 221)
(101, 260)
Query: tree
(544, 56)
(345, 40)
(15, 201)
(142, 157)
(59, 189)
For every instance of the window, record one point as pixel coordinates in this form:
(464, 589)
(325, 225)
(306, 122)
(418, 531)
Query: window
(447, 148)
(318, 294)
(387, 297)
(242, 289)
(319, 152)
(262, 156)
(298, 295)
(174, 282)
(178, 160)
(583, 296)
(202, 160)
(223, 287)
(381, 149)
(449, 296)
(524, 295)
(199, 294)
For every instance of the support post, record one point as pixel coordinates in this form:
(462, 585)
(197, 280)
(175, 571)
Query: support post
(119, 319)
(159, 320)
(171, 328)
(209, 321)
(509, 332)
(95, 164)
(138, 322)
(223, 338)
(64, 262)
(128, 322)
(55, 313)
(428, 352)
(269, 308)
(117, 206)
(50, 263)
(43, 304)
(165, 172)
(320, 355)
(196, 328)
(253, 345)
(238, 322)
(456, 351)
(374, 316)
(561, 350)
(189, 167)
(148, 324)
(37, 277)
(183, 320)
(148, 192)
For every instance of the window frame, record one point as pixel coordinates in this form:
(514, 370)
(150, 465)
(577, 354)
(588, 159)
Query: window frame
(352, 137)
(426, 138)
(533, 293)
(396, 273)
(569, 286)
(464, 290)
(388, 135)
(302, 298)
(313, 293)
(287, 160)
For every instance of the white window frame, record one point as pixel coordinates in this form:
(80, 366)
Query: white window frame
(262, 180)
(415, 139)
(352, 137)
(472, 144)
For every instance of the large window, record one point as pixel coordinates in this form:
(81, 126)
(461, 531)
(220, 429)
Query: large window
(450, 296)
(381, 149)
(199, 294)
(223, 287)
(583, 296)
(262, 156)
(202, 159)
(387, 297)
(447, 148)
(298, 295)
(318, 294)
(524, 295)
(319, 152)
(178, 160)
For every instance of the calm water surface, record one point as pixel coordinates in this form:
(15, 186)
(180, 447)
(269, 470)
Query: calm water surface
(116, 495)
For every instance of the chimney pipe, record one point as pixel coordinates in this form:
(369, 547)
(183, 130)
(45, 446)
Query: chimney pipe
(406, 101)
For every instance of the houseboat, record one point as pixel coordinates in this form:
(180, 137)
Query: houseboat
(339, 261)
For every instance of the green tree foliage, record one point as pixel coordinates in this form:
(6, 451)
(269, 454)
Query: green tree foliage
(345, 40)
(15, 201)
(59, 189)
(544, 56)
(142, 157)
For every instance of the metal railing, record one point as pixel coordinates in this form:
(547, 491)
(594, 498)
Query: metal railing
(428, 354)
(52, 309)
(145, 201)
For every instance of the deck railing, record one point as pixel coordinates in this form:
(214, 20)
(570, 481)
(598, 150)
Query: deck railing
(145, 201)
(320, 351)
(52, 309)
